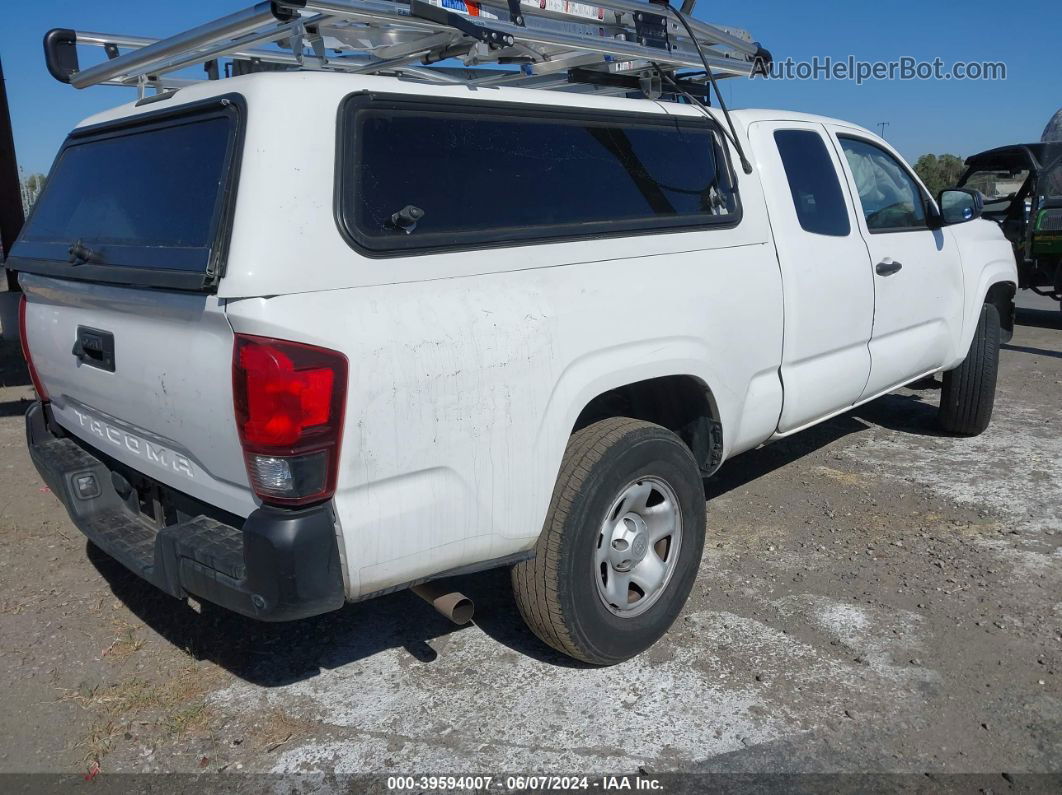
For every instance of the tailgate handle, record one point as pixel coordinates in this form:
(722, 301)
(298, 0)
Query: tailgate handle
(94, 348)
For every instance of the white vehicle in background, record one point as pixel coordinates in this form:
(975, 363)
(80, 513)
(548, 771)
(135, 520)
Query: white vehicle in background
(303, 338)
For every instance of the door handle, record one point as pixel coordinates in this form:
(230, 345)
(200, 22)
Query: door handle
(887, 267)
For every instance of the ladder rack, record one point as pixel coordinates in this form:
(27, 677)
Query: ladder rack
(608, 46)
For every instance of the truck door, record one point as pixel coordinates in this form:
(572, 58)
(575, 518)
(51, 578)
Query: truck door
(917, 272)
(826, 276)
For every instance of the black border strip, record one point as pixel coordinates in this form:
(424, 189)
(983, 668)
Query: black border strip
(370, 247)
(232, 104)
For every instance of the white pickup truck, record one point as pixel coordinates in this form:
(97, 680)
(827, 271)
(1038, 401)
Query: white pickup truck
(304, 338)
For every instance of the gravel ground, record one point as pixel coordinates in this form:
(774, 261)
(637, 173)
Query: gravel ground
(874, 597)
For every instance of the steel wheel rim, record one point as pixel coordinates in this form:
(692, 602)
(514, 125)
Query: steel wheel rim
(638, 546)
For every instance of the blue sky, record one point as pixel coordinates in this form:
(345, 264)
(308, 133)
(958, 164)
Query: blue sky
(936, 116)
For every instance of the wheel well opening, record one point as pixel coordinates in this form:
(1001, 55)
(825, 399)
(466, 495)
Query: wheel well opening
(1001, 296)
(680, 403)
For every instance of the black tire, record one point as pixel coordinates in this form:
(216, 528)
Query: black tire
(969, 392)
(556, 590)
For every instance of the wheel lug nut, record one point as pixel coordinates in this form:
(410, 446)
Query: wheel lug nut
(620, 545)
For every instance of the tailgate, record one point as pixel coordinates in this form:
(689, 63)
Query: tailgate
(118, 259)
(154, 387)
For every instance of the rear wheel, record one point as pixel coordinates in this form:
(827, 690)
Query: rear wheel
(969, 392)
(621, 544)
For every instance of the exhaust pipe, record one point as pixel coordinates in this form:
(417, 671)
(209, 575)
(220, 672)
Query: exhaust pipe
(455, 606)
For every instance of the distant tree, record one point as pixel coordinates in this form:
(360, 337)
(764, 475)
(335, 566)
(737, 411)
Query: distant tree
(939, 172)
(31, 189)
(35, 182)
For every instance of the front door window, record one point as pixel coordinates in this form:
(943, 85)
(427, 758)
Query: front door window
(892, 201)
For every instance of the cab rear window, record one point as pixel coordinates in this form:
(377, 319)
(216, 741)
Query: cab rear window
(138, 203)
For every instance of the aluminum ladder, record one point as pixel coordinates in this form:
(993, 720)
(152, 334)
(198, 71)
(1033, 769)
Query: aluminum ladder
(615, 47)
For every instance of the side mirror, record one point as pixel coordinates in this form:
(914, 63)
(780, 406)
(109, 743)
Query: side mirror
(959, 205)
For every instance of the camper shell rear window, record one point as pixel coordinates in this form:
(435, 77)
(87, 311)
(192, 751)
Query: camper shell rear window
(417, 175)
(144, 201)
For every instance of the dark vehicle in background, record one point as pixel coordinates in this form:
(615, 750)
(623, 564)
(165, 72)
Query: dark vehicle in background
(1022, 189)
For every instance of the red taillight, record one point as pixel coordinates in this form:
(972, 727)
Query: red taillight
(24, 341)
(289, 400)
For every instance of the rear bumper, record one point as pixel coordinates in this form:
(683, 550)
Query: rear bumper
(278, 566)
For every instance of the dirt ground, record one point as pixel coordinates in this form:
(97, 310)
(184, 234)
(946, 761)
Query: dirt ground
(874, 597)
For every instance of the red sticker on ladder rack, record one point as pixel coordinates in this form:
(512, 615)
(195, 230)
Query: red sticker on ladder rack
(469, 8)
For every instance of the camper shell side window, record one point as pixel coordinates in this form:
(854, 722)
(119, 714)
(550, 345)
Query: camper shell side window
(417, 175)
